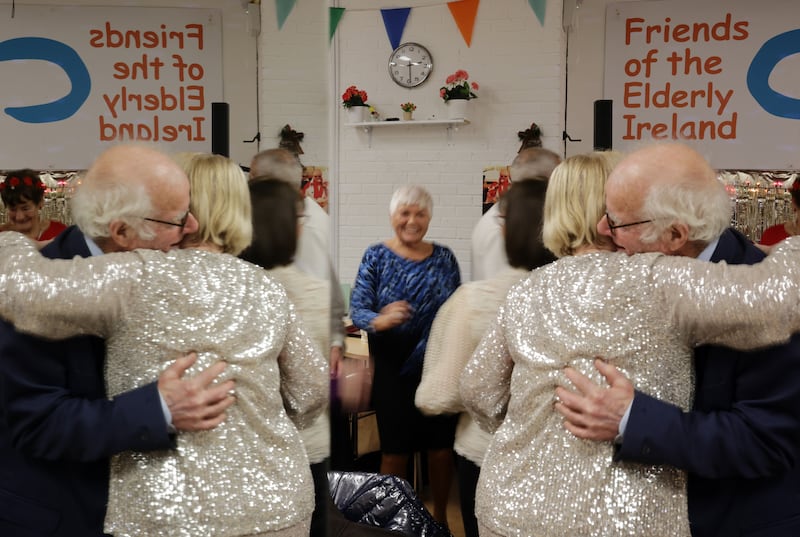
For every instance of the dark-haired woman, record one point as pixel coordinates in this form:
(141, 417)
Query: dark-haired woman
(277, 222)
(277, 218)
(22, 192)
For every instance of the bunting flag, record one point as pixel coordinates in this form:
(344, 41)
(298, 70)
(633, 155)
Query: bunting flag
(334, 17)
(395, 22)
(538, 7)
(464, 12)
(282, 9)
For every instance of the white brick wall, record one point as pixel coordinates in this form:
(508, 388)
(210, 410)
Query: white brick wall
(293, 65)
(519, 65)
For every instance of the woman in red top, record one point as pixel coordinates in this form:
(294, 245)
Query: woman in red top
(22, 193)
(775, 234)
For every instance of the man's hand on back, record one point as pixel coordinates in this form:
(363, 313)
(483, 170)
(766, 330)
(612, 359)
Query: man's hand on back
(195, 403)
(594, 412)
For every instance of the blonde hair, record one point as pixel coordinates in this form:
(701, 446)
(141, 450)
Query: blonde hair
(220, 201)
(575, 202)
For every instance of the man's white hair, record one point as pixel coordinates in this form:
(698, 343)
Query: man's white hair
(96, 204)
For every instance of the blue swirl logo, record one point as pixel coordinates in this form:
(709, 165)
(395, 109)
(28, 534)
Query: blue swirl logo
(39, 48)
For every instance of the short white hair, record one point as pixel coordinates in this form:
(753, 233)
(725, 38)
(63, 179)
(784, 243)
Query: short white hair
(533, 163)
(705, 209)
(98, 203)
(411, 195)
(279, 164)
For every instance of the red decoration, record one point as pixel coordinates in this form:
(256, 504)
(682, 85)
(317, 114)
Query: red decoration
(353, 96)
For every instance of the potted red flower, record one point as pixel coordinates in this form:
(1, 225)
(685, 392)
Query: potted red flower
(457, 92)
(354, 101)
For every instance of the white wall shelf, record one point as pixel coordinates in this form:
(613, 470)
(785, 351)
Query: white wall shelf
(450, 124)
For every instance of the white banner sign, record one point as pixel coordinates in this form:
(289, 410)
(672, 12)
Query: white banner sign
(78, 79)
(723, 76)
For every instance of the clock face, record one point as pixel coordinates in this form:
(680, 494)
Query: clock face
(410, 64)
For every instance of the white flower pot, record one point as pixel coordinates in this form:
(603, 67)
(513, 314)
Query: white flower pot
(457, 108)
(357, 114)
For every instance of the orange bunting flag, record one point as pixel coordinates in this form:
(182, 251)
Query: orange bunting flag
(464, 12)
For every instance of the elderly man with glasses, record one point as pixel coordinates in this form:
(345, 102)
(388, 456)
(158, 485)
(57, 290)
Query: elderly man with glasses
(58, 429)
(740, 443)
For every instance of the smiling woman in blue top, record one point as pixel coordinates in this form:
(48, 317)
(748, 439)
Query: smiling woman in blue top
(401, 284)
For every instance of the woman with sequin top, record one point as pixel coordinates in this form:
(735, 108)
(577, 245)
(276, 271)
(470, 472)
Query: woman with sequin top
(248, 476)
(400, 285)
(643, 313)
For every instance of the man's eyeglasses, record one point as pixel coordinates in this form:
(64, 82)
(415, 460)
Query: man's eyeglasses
(612, 226)
(181, 224)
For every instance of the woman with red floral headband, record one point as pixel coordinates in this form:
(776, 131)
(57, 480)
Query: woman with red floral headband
(22, 193)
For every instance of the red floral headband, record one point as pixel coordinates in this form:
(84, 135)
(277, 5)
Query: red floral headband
(12, 182)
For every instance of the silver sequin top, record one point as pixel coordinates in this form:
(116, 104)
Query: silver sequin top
(248, 475)
(642, 313)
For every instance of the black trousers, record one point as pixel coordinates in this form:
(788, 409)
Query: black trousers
(467, 472)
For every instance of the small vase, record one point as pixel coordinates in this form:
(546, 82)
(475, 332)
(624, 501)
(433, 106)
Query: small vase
(357, 114)
(407, 116)
(457, 108)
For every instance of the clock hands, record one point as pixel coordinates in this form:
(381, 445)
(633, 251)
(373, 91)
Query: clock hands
(410, 64)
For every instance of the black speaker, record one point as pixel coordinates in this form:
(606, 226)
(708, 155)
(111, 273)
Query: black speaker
(220, 129)
(602, 124)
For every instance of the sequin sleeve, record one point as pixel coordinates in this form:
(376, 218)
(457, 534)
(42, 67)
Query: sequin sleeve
(739, 306)
(304, 378)
(486, 380)
(57, 298)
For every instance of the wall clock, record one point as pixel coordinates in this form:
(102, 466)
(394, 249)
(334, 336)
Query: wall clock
(410, 64)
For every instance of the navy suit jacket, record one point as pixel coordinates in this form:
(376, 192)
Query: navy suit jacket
(741, 441)
(58, 429)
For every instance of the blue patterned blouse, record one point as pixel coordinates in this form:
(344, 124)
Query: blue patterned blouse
(385, 277)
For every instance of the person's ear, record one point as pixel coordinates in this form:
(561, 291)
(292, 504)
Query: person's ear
(122, 235)
(675, 237)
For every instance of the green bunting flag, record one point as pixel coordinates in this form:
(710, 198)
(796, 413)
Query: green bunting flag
(282, 9)
(538, 7)
(334, 17)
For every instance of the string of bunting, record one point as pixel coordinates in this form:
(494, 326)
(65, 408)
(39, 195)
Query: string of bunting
(394, 20)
